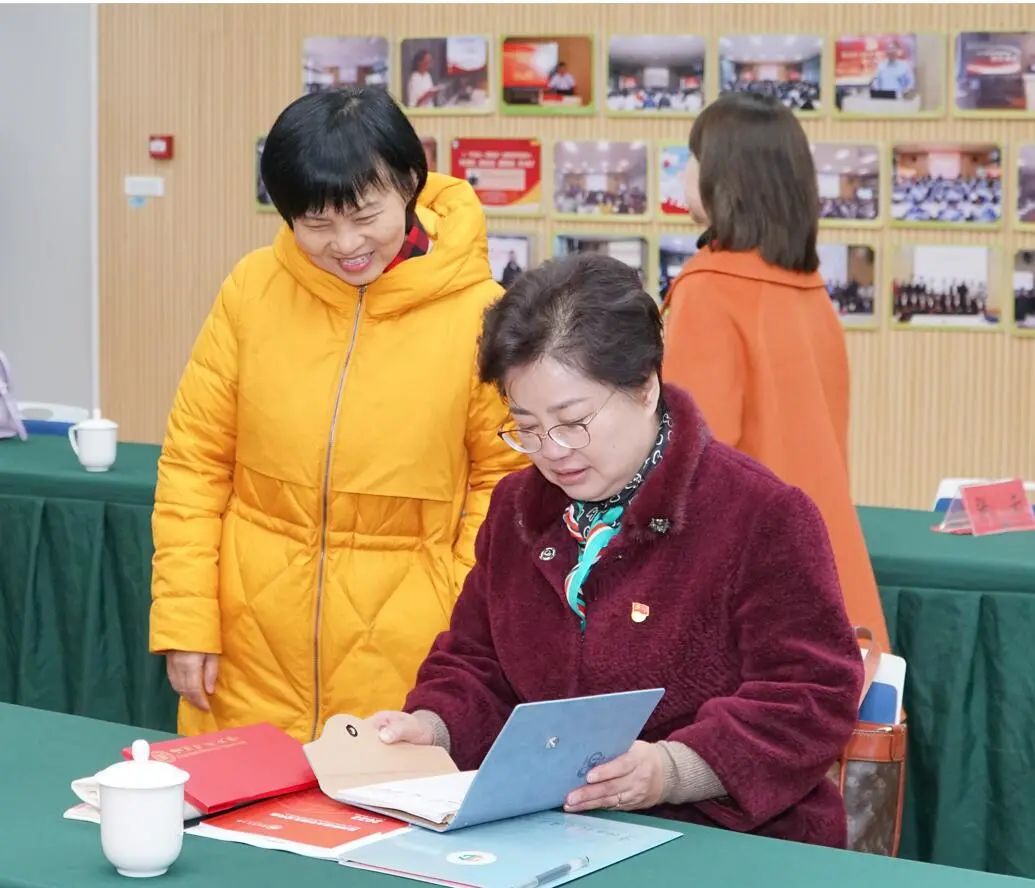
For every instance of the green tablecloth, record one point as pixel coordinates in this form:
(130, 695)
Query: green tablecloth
(42, 752)
(75, 553)
(961, 610)
(75, 567)
(45, 466)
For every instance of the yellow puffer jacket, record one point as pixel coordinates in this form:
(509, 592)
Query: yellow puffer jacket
(328, 460)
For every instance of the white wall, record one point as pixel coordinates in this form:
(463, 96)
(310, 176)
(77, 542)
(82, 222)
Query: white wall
(47, 315)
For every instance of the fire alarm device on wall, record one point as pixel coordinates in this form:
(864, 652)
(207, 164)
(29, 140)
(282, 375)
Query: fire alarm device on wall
(160, 147)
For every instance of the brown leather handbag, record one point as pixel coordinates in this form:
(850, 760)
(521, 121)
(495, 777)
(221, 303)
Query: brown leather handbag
(871, 773)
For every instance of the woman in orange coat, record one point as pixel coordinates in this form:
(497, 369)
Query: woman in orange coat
(751, 332)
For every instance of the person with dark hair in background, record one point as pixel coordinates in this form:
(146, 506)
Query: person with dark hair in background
(639, 552)
(511, 270)
(420, 88)
(330, 453)
(750, 332)
(560, 81)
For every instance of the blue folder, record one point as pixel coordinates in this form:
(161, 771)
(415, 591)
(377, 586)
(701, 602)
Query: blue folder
(547, 849)
(544, 751)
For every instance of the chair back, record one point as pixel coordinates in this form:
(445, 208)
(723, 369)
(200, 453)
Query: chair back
(50, 419)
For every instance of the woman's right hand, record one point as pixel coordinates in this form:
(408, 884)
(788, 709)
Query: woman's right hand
(193, 676)
(402, 727)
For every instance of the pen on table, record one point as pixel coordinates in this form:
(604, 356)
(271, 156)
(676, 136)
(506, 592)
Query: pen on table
(556, 873)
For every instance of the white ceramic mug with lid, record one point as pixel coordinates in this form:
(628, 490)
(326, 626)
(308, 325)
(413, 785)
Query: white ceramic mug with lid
(93, 440)
(141, 813)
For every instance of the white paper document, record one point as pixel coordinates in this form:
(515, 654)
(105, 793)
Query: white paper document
(435, 799)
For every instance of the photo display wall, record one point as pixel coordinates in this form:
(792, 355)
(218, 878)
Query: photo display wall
(911, 228)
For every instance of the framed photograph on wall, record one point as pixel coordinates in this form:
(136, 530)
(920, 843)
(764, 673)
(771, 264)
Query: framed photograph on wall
(506, 173)
(630, 250)
(510, 254)
(603, 181)
(1024, 292)
(445, 75)
(672, 160)
(848, 178)
(956, 184)
(1026, 186)
(850, 273)
(547, 75)
(889, 75)
(333, 62)
(655, 74)
(431, 152)
(674, 251)
(787, 66)
(263, 203)
(994, 74)
(944, 286)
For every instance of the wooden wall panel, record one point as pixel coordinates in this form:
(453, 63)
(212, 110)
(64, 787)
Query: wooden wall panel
(925, 404)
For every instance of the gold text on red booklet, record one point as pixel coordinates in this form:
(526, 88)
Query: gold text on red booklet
(187, 750)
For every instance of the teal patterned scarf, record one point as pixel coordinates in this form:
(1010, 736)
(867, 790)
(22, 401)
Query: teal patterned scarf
(595, 524)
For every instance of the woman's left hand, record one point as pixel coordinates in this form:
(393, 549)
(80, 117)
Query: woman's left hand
(631, 782)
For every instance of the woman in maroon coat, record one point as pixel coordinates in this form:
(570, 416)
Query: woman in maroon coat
(638, 552)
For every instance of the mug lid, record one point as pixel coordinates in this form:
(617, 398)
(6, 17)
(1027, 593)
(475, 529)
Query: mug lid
(95, 424)
(141, 772)
(96, 421)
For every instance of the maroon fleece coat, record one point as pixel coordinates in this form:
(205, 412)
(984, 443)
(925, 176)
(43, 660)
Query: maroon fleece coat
(747, 630)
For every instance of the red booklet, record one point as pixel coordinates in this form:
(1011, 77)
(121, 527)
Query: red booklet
(236, 766)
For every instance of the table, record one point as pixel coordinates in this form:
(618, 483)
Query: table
(961, 610)
(75, 552)
(75, 574)
(43, 751)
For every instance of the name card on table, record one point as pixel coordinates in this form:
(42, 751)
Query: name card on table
(982, 509)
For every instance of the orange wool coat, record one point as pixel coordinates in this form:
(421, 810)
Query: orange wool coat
(764, 356)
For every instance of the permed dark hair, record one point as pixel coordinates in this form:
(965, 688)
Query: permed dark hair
(327, 149)
(587, 311)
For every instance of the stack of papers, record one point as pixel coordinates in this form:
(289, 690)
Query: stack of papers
(434, 799)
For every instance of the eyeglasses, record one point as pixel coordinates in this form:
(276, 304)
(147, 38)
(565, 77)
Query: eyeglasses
(570, 435)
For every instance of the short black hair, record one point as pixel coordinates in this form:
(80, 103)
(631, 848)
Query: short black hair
(758, 180)
(328, 148)
(587, 311)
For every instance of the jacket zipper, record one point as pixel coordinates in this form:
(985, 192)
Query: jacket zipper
(324, 506)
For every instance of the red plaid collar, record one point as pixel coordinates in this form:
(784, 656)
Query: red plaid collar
(416, 243)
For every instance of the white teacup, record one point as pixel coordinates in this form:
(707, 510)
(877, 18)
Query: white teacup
(94, 442)
(142, 814)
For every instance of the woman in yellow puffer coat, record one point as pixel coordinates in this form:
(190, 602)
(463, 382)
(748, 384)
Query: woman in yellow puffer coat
(330, 452)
